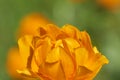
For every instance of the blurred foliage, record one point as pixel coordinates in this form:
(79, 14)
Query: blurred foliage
(101, 23)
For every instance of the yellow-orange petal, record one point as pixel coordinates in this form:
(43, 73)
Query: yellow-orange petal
(25, 48)
(67, 64)
(70, 30)
(96, 61)
(52, 66)
(41, 52)
(86, 41)
(51, 71)
(82, 73)
(51, 30)
(53, 56)
(95, 50)
(71, 43)
(24, 72)
(81, 36)
(81, 56)
(34, 65)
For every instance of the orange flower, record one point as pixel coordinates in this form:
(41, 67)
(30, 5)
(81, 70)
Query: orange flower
(60, 54)
(110, 4)
(28, 26)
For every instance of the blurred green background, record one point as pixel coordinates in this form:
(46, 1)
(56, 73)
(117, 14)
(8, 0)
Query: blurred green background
(102, 24)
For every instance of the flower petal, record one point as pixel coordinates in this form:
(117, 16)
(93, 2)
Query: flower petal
(86, 41)
(83, 73)
(96, 61)
(67, 64)
(50, 30)
(42, 51)
(34, 66)
(24, 72)
(24, 48)
(53, 56)
(71, 44)
(81, 56)
(70, 30)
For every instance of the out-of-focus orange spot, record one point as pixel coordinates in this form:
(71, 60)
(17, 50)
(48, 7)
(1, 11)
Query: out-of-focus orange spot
(14, 62)
(30, 23)
(110, 4)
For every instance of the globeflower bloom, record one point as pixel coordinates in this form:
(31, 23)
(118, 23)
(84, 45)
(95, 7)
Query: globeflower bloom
(59, 54)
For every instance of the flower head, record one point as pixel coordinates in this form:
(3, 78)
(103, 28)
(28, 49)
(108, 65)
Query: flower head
(60, 54)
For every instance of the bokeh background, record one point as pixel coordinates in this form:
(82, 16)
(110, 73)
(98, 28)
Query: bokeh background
(100, 18)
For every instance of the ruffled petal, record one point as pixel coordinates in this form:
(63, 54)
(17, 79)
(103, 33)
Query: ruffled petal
(53, 56)
(49, 30)
(81, 56)
(42, 51)
(25, 48)
(67, 64)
